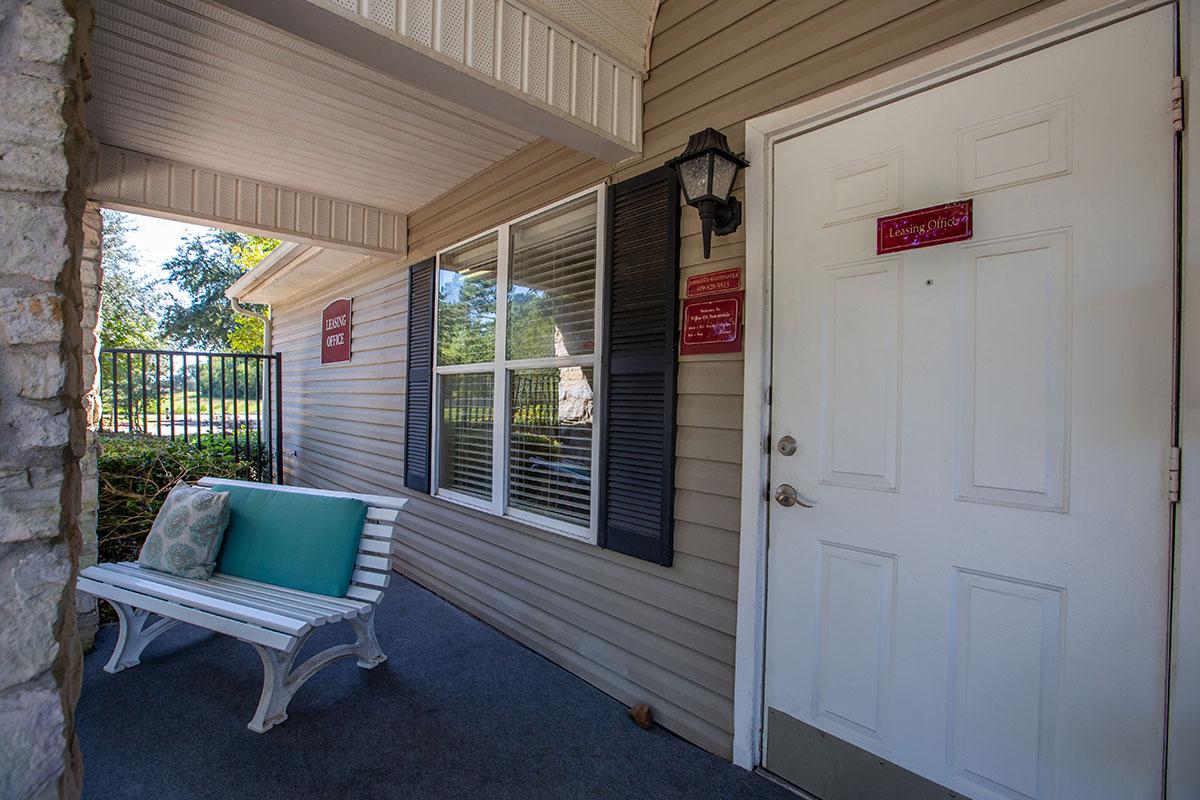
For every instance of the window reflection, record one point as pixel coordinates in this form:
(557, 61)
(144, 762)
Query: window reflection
(552, 283)
(550, 442)
(466, 331)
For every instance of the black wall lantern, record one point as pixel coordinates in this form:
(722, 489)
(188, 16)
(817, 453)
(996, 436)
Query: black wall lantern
(707, 169)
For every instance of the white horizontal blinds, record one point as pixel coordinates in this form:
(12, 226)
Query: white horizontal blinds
(466, 329)
(516, 369)
(466, 337)
(466, 411)
(552, 283)
(550, 442)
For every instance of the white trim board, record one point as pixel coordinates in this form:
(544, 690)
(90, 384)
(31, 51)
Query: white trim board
(1183, 729)
(142, 184)
(1038, 30)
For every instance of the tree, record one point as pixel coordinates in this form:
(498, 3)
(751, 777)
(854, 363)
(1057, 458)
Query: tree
(203, 267)
(466, 318)
(247, 336)
(131, 304)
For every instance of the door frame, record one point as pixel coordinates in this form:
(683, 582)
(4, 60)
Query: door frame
(1041, 29)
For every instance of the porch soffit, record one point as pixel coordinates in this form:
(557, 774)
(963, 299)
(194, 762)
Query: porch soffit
(568, 70)
(297, 270)
(622, 27)
(190, 81)
(129, 181)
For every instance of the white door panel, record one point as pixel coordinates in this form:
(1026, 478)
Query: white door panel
(980, 593)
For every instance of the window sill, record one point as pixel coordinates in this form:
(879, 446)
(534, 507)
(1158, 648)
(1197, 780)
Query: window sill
(518, 520)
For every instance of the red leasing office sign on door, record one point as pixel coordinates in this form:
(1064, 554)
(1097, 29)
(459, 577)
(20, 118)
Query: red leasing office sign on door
(335, 332)
(924, 227)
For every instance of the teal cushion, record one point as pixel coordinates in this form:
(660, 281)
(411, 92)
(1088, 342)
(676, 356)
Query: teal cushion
(300, 541)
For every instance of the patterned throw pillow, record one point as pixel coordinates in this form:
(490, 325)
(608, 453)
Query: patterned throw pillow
(187, 532)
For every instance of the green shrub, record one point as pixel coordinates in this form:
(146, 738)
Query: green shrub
(137, 472)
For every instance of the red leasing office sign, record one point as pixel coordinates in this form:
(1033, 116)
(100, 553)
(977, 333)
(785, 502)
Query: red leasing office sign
(335, 332)
(924, 227)
(712, 324)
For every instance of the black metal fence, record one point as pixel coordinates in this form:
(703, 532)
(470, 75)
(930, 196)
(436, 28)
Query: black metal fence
(178, 394)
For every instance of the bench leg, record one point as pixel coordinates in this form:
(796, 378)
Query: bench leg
(134, 635)
(281, 681)
(277, 690)
(370, 654)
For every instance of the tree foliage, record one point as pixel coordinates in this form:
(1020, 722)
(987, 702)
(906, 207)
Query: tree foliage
(466, 318)
(137, 472)
(131, 304)
(203, 267)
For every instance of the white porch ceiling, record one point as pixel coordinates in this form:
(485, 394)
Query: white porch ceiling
(193, 82)
(503, 58)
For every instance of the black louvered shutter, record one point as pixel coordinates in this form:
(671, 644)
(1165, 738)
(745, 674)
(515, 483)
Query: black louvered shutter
(419, 384)
(637, 484)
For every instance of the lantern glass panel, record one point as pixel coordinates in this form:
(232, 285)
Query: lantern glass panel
(694, 175)
(724, 172)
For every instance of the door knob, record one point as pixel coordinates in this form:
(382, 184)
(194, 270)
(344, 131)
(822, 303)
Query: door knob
(787, 496)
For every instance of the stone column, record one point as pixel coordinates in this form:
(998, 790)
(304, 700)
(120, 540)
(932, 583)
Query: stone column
(91, 279)
(43, 152)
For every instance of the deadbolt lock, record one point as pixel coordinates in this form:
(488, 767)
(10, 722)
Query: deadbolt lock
(786, 445)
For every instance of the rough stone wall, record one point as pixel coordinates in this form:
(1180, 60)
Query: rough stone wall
(91, 279)
(43, 150)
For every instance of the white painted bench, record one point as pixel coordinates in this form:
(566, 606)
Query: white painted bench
(275, 620)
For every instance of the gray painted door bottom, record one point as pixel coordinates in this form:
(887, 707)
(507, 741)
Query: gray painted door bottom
(832, 769)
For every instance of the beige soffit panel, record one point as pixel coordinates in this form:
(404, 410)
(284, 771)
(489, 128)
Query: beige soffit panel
(140, 183)
(295, 270)
(621, 27)
(496, 57)
(192, 81)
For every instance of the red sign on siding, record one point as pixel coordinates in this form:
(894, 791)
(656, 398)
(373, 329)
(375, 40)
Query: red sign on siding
(924, 227)
(712, 324)
(725, 280)
(335, 332)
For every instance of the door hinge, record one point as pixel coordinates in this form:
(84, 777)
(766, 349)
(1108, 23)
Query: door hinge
(1177, 103)
(1173, 458)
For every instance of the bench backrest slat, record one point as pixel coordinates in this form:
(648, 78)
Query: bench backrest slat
(381, 547)
(364, 594)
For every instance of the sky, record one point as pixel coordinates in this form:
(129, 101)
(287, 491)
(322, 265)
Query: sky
(156, 240)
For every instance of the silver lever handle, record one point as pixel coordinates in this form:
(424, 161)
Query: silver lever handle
(787, 496)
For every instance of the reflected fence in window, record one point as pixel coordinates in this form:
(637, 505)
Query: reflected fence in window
(550, 442)
(193, 396)
(465, 461)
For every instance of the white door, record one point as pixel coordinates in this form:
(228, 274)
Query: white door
(979, 594)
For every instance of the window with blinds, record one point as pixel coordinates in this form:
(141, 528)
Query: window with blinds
(467, 417)
(552, 284)
(517, 362)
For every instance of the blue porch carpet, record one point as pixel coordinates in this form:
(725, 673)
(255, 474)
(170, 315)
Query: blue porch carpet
(458, 711)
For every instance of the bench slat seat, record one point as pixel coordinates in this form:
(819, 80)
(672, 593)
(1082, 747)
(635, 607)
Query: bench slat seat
(275, 620)
(303, 607)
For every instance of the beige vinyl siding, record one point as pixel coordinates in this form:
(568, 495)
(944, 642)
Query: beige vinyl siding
(640, 632)
(345, 422)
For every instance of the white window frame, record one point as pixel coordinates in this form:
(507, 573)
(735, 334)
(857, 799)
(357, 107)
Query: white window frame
(500, 367)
